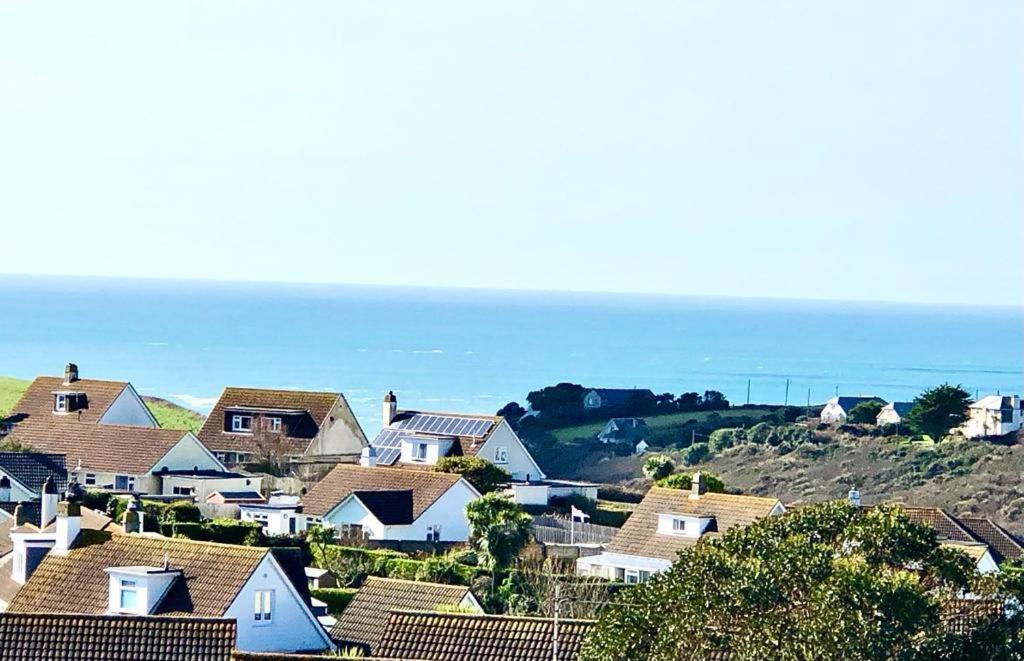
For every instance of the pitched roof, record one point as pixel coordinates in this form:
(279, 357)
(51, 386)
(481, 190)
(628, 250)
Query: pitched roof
(49, 637)
(392, 508)
(639, 535)
(317, 405)
(619, 396)
(1003, 544)
(939, 520)
(993, 403)
(468, 432)
(457, 636)
(37, 400)
(77, 583)
(99, 447)
(364, 619)
(849, 403)
(426, 486)
(32, 469)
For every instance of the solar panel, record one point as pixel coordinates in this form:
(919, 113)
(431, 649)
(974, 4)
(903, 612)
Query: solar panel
(447, 425)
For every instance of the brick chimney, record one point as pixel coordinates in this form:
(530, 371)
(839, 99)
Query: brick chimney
(133, 517)
(70, 373)
(698, 487)
(390, 408)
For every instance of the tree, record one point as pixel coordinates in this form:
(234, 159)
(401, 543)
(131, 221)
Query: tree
(938, 410)
(714, 401)
(684, 481)
(865, 413)
(554, 399)
(498, 530)
(658, 466)
(689, 401)
(11, 445)
(512, 412)
(482, 474)
(826, 581)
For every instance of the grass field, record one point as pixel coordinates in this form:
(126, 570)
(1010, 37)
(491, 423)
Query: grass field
(655, 422)
(168, 414)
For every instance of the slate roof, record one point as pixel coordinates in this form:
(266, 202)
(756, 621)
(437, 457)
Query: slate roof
(30, 509)
(392, 508)
(77, 583)
(848, 403)
(363, 621)
(639, 535)
(317, 404)
(32, 469)
(48, 637)
(615, 397)
(426, 486)
(37, 400)
(629, 429)
(459, 637)
(99, 447)
(233, 496)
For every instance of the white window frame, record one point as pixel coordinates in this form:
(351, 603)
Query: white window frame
(128, 587)
(434, 533)
(417, 455)
(129, 481)
(236, 423)
(272, 424)
(183, 491)
(501, 454)
(263, 607)
(90, 479)
(678, 526)
(60, 405)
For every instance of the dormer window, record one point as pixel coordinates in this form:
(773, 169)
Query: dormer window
(678, 525)
(272, 424)
(60, 403)
(129, 596)
(419, 451)
(241, 423)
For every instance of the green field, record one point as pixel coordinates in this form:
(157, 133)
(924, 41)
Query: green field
(654, 422)
(168, 414)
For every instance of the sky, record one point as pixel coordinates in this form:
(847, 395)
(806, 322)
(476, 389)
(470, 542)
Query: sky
(865, 150)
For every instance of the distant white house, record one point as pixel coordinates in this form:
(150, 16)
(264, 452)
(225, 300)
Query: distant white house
(623, 430)
(641, 447)
(893, 414)
(838, 409)
(995, 415)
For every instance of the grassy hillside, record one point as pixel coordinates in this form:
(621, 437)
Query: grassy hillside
(168, 414)
(658, 423)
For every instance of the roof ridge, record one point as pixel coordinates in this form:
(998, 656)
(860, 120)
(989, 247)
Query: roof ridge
(492, 616)
(414, 582)
(289, 390)
(686, 492)
(156, 537)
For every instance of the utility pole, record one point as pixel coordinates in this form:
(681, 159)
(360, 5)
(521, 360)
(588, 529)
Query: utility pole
(808, 402)
(787, 393)
(748, 391)
(554, 628)
(693, 436)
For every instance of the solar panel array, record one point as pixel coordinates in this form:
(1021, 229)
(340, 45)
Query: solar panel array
(388, 445)
(446, 425)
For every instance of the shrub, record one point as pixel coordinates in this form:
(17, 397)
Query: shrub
(684, 481)
(482, 474)
(618, 494)
(721, 439)
(335, 598)
(658, 466)
(865, 413)
(697, 453)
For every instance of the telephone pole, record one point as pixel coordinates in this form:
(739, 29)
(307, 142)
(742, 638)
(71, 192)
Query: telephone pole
(787, 393)
(748, 391)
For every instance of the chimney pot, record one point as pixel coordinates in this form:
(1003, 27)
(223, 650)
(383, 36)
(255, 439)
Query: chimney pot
(70, 373)
(390, 408)
(48, 504)
(368, 457)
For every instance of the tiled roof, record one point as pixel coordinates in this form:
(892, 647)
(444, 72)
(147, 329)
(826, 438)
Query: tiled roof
(363, 621)
(1001, 542)
(973, 550)
(99, 447)
(91, 520)
(961, 616)
(46, 637)
(460, 637)
(426, 486)
(37, 400)
(77, 583)
(317, 404)
(944, 525)
(639, 535)
(31, 510)
(32, 469)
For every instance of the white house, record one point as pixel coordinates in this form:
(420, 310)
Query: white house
(417, 438)
(623, 430)
(837, 409)
(263, 589)
(893, 414)
(280, 515)
(995, 415)
(668, 520)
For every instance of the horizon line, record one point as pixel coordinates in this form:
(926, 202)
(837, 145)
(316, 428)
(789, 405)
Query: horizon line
(506, 290)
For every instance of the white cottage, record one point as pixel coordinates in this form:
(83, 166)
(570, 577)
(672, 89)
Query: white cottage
(837, 409)
(995, 415)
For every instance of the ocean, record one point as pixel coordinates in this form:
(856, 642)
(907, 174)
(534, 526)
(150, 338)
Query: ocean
(475, 350)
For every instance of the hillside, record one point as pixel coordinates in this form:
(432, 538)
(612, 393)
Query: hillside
(168, 414)
(961, 475)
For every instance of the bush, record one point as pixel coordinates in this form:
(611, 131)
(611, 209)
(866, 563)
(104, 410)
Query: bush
(697, 453)
(335, 598)
(684, 481)
(658, 466)
(224, 531)
(865, 413)
(618, 494)
(722, 439)
(482, 474)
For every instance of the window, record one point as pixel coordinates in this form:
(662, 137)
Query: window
(501, 454)
(263, 606)
(124, 483)
(678, 525)
(434, 534)
(241, 423)
(90, 479)
(644, 576)
(632, 576)
(129, 595)
(272, 424)
(419, 452)
(183, 491)
(60, 404)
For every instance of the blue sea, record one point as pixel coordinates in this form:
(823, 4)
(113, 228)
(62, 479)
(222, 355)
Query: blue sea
(475, 350)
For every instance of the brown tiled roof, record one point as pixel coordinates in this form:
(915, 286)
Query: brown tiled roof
(1003, 544)
(363, 621)
(317, 404)
(639, 536)
(77, 583)
(114, 448)
(944, 525)
(37, 401)
(426, 486)
(961, 616)
(459, 637)
(47, 637)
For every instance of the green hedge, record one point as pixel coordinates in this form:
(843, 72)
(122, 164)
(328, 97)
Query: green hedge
(225, 531)
(335, 598)
(394, 564)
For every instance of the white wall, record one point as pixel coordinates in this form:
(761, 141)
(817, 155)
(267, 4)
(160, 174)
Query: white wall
(520, 462)
(203, 487)
(187, 454)
(530, 494)
(833, 413)
(128, 409)
(888, 416)
(19, 492)
(436, 449)
(353, 512)
(343, 435)
(293, 627)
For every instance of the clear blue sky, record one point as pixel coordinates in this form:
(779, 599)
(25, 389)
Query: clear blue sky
(821, 149)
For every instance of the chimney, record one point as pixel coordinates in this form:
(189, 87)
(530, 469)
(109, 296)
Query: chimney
(390, 408)
(854, 497)
(368, 457)
(70, 373)
(133, 517)
(698, 487)
(48, 506)
(69, 524)
(20, 515)
(5, 489)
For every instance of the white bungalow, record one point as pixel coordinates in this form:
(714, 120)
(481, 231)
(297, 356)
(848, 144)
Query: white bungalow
(995, 415)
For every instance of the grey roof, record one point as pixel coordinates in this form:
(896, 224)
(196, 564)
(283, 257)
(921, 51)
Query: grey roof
(902, 408)
(631, 429)
(619, 396)
(32, 469)
(848, 403)
(391, 508)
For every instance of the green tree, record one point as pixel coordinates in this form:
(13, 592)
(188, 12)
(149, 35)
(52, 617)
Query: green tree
(938, 410)
(684, 481)
(498, 530)
(482, 474)
(658, 466)
(865, 413)
(825, 581)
